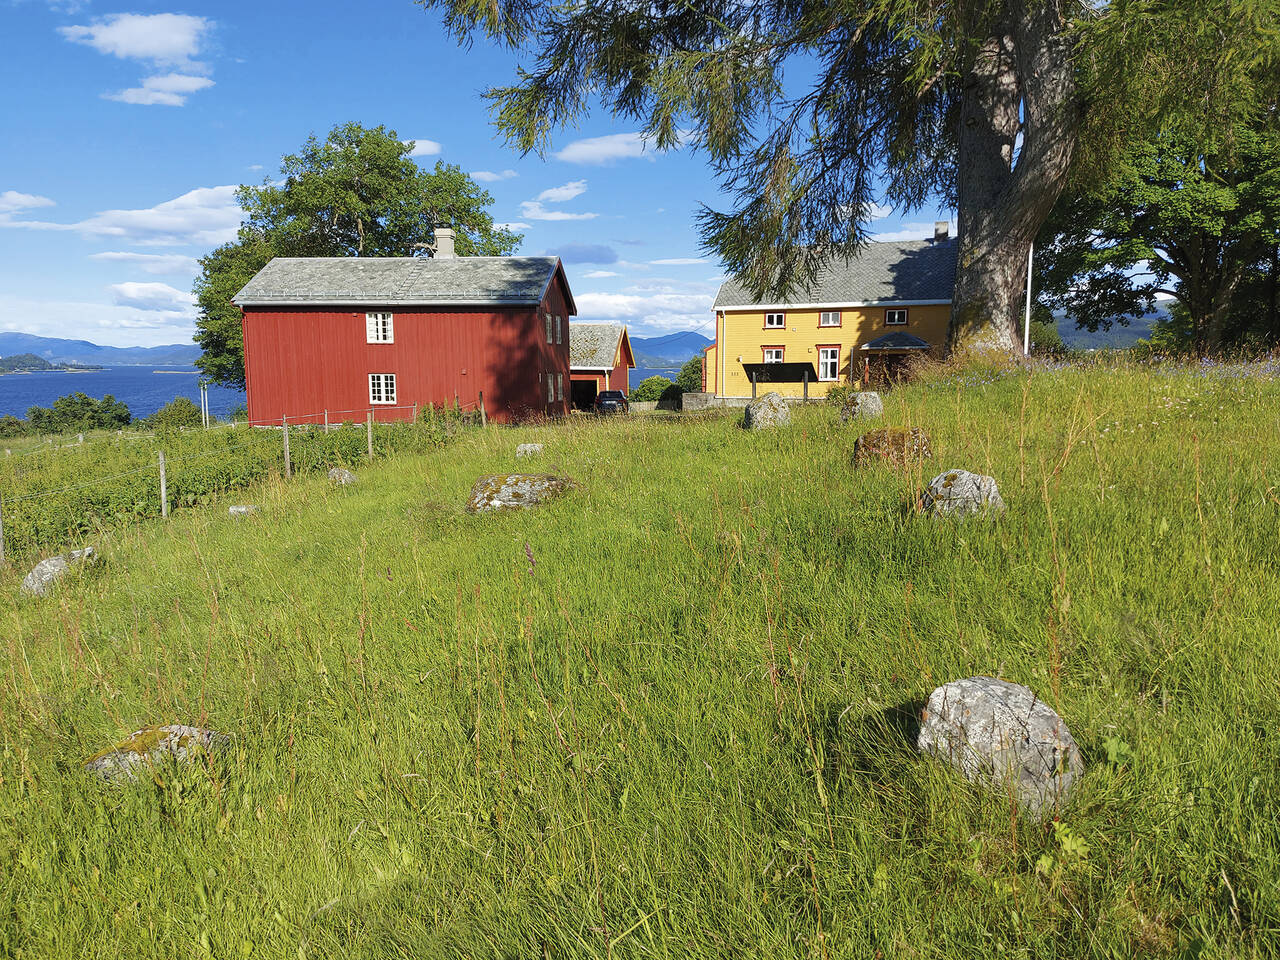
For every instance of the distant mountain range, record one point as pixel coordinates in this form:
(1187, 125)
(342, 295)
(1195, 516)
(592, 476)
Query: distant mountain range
(56, 350)
(669, 351)
(1117, 338)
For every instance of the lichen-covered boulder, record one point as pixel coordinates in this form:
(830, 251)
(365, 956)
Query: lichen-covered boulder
(528, 450)
(241, 510)
(892, 445)
(47, 572)
(862, 406)
(1001, 735)
(516, 491)
(342, 477)
(959, 493)
(765, 412)
(153, 745)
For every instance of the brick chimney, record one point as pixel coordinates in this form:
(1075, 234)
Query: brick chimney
(444, 243)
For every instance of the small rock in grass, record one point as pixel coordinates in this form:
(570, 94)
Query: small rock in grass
(47, 572)
(152, 745)
(342, 477)
(959, 493)
(891, 445)
(766, 412)
(516, 491)
(242, 510)
(1001, 735)
(528, 450)
(862, 406)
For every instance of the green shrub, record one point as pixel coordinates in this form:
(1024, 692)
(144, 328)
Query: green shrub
(651, 388)
(178, 412)
(689, 379)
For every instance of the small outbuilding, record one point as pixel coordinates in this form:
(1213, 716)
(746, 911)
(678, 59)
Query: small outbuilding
(599, 358)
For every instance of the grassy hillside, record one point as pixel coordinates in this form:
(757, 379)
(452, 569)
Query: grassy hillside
(669, 715)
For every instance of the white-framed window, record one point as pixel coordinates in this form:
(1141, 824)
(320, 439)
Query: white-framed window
(548, 319)
(895, 318)
(382, 388)
(558, 339)
(773, 354)
(829, 318)
(559, 386)
(379, 328)
(551, 389)
(828, 363)
(775, 321)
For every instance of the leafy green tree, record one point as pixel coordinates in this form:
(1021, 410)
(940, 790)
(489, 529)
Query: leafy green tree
(11, 426)
(79, 412)
(986, 106)
(1201, 226)
(650, 388)
(356, 193)
(689, 379)
(178, 412)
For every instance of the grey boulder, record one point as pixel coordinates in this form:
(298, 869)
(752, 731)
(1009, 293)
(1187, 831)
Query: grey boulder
(516, 491)
(1001, 735)
(342, 477)
(151, 746)
(528, 450)
(241, 510)
(766, 412)
(959, 493)
(47, 572)
(862, 406)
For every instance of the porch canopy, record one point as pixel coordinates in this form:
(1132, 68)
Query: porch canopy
(802, 372)
(894, 342)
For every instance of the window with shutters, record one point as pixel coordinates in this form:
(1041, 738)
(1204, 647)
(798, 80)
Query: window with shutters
(378, 328)
(382, 388)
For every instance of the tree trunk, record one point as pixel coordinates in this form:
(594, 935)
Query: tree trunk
(1022, 67)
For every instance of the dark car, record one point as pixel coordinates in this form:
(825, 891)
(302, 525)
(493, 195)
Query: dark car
(611, 401)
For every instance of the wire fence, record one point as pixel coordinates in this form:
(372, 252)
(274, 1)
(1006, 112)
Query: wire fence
(184, 468)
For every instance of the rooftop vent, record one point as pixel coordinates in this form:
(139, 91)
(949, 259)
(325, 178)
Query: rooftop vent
(444, 243)
(940, 230)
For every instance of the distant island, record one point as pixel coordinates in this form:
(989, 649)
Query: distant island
(30, 363)
(81, 354)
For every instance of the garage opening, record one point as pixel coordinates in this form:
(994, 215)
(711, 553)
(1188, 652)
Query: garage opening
(584, 394)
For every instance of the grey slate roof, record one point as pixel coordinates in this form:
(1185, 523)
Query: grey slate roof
(904, 272)
(388, 281)
(592, 346)
(897, 340)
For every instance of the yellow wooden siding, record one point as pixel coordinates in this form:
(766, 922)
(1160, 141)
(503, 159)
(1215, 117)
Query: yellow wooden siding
(711, 365)
(743, 337)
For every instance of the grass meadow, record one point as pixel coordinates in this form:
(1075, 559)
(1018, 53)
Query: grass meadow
(670, 715)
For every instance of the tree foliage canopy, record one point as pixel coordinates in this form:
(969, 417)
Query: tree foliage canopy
(689, 379)
(355, 193)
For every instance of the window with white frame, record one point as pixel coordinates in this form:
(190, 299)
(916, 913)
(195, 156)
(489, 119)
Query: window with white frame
(895, 318)
(773, 354)
(548, 319)
(559, 386)
(382, 388)
(558, 340)
(828, 363)
(378, 328)
(829, 318)
(775, 321)
(551, 389)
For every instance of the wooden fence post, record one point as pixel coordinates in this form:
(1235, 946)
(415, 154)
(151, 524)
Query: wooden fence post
(484, 419)
(415, 413)
(1, 531)
(288, 464)
(164, 489)
(369, 433)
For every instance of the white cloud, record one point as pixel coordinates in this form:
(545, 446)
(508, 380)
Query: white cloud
(206, 216)
(911, 231)
(488, 176)
(597, 150)
(534, 210)
(678, 261)
(254, 166)
(158, 297)
(99, 322)
(599, 274)
(162, 38)
(11, 201)
(662, 311)
(514, 225)
(574, 188)
(879, 211)
(422, 148)
(153, 263)
(170, 90)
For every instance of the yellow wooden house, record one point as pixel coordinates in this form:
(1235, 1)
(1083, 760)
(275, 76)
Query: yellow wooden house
(892, 300)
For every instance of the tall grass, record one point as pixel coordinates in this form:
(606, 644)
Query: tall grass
(671, 714)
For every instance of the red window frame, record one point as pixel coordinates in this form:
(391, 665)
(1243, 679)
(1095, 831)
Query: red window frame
(839, 349)
(831, 326)
(773, 346)
(775, 313)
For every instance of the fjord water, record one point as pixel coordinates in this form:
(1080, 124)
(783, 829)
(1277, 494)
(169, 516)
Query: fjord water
(144, 388)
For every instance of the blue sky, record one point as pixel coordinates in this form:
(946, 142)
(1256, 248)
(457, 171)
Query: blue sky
(127, 128)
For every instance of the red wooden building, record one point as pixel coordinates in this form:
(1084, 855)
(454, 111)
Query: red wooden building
(336, 337)
(599, 358)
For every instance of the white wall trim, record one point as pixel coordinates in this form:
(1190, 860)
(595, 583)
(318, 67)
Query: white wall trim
(775, 307)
